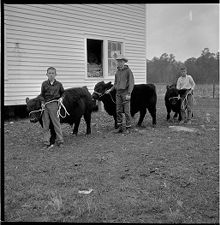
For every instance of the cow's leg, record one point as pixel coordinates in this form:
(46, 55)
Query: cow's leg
(76, 126)
(87, 118)
(180, 116)
(175, 116)
(168, 112)
(152, 111)
(142, 115)
(115, 119)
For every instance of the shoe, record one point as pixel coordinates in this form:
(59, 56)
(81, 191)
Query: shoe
(48, 147)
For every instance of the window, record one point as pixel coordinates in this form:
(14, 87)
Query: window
(101, 54)
(94, 58)
(114, 49)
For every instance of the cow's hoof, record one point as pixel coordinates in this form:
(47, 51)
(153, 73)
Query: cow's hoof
(74, 133)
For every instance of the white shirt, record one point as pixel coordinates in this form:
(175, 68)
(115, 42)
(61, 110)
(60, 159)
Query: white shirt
(186, 82)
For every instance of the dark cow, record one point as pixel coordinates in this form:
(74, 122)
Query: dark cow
(143, 97)
(77, 101)
(173, 101)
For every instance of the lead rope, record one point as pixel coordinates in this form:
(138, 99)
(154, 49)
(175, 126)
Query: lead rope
(58, 111)
(100, 95)
(111, 97)
(185, 100)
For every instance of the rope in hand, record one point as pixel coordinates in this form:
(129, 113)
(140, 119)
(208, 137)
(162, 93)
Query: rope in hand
(58, 111)
(185, 101)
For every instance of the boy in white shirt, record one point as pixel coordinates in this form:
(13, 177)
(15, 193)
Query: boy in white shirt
(186, 82)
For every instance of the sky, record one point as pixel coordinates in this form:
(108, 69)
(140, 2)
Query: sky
(183, 30)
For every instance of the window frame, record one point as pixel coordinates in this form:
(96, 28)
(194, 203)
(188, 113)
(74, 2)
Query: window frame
(122, 52)
(105, 41)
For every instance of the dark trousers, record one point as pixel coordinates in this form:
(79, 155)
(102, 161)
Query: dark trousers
(122, 106)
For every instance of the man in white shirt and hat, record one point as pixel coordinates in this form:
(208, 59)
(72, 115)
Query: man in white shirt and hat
(124, 84)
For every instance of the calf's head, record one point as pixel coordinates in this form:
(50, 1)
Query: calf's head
(173, 94)
(100, 89)
(33, 105)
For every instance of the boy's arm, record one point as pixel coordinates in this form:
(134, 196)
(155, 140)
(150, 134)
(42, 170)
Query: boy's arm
(62, 92)
(131, 82)
(41, 96)
(113, 87)
(191, 81)
(178, 84)
(115, 82)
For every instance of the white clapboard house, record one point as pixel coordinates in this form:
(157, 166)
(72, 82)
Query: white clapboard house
(80, 40)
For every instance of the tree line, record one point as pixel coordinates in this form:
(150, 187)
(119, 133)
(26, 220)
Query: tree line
(165, 69)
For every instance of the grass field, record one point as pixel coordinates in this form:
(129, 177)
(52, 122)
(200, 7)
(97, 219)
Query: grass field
(151, 175)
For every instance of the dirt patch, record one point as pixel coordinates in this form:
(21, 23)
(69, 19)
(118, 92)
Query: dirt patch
(150, 175)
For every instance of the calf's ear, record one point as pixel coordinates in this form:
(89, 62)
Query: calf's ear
(108, 84)
(27, 100)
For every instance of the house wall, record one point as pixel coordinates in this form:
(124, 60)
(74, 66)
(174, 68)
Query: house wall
(38, 36)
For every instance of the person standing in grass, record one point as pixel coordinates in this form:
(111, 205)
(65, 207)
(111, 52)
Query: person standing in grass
(51, 90)
(124, 84)
(186, 82)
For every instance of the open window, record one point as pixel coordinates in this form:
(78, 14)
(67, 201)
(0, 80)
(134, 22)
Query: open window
(94, 58)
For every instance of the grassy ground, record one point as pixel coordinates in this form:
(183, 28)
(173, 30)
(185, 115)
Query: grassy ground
(151, 175)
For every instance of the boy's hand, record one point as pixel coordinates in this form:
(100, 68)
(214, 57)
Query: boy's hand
(60, 100)
(43, 105)
(128, 97)
(108, 91)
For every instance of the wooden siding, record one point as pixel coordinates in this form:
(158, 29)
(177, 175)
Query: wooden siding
(39, 36)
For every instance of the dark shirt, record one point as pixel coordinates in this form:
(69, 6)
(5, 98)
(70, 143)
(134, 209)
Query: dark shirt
(51, 91)
(124, 79)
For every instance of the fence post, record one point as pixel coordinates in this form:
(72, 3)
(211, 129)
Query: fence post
(213, 89)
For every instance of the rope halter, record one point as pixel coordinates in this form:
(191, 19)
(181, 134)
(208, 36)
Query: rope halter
(178, 97)
(100, 95)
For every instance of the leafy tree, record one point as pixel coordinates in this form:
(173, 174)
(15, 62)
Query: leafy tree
(165, 69)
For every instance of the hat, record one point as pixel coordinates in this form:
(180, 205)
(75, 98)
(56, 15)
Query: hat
(121, 57)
